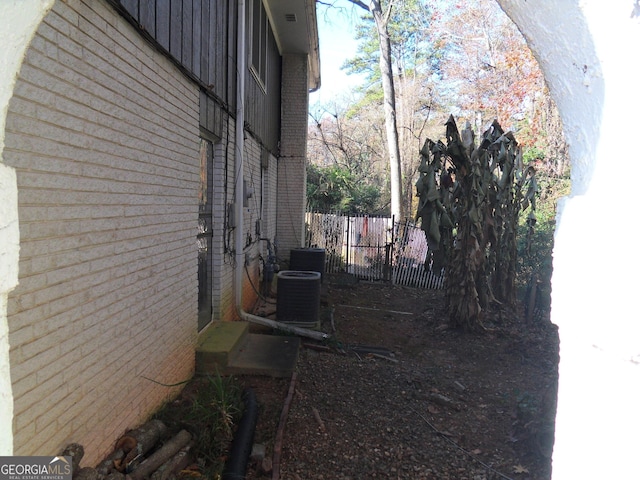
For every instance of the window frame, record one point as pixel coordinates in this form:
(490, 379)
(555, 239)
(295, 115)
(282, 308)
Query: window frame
(259, 41)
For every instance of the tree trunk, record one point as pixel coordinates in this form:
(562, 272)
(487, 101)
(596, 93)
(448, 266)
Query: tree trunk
(393, 146)
(388, 90)
(386, 72)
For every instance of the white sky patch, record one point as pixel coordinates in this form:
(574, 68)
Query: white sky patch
(337, 44)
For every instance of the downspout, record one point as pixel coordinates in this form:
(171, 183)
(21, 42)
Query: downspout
(239, 194)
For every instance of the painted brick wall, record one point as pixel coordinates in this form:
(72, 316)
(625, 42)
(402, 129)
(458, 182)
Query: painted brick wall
(258, 207)
(270, 196)
(292, 162)
(103, 134)
(223, 187)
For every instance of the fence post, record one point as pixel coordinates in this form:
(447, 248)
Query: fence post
(348, 242)
(393, 246)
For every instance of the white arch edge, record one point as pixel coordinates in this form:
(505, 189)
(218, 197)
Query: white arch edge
(20, 20)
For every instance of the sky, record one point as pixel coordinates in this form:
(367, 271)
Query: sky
(336, 45)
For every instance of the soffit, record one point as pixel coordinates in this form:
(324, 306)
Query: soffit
(296, 29)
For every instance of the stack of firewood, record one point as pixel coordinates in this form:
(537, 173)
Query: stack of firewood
(147, 452)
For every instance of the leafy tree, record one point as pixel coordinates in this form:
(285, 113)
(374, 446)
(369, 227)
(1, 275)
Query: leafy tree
(535, 251)
(489, 72)
(399, 59)
(344, 144)
(381, 16)
(335, 189)
(470, 59)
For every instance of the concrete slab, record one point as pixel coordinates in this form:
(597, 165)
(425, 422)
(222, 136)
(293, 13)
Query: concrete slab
(269, 355)
(220, 342)
(230, 348)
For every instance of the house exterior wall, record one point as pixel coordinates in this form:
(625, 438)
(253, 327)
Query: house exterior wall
(102, 132)
(270, 198)
(200, 36)
(293, 151)
(19, 24)
(253, 213)
(260, 207)
(223, 197)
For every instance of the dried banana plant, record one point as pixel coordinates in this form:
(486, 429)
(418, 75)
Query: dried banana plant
(470, 201)
(434, 207)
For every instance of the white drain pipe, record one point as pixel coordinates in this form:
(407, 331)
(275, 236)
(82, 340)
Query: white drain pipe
(239, 195)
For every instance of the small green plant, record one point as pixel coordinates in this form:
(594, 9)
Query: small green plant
(531, 154)
(216, 409)
(210, 410)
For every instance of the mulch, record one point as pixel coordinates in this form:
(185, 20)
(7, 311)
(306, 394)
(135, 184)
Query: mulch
(397, 395)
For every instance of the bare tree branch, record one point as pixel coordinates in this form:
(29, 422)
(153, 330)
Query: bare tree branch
(360, 4)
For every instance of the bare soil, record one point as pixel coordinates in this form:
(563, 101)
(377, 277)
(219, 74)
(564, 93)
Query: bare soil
(397, 395)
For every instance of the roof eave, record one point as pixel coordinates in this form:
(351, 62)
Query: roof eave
(295, 26)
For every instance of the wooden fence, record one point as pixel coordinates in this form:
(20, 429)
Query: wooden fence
(372, 248)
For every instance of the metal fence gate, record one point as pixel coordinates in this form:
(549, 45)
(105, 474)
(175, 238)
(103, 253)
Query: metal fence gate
(372, 248)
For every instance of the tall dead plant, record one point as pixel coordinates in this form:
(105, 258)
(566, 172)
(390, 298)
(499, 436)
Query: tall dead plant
(470, 199)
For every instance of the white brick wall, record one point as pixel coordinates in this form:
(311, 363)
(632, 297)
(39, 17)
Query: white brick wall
(223, 239)
(292, 162)
(270, 196)
(103, 134)
(223, 304)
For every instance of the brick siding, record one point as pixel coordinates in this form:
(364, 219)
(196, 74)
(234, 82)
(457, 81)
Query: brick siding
(103, 134)
(292, 162)
(261, 206)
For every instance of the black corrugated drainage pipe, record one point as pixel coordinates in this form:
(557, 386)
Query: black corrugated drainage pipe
(236, 466)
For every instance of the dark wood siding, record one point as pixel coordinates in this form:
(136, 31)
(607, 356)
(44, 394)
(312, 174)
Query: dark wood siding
(175, 31)
(262, 110)
(200, 36)
(163, 20)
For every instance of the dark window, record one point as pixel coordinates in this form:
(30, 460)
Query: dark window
(258, 54)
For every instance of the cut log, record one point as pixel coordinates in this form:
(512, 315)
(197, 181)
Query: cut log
(106, 467)
(76, 452)
(176, 463)
(114, 476)
(160, 456)
(137, 442)
(86, 473)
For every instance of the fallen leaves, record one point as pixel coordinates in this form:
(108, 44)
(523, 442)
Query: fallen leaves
(399, 420)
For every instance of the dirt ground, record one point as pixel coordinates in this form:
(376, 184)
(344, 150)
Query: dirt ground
(397, 395)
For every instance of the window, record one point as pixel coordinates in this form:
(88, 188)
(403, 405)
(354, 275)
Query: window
(259, 35)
